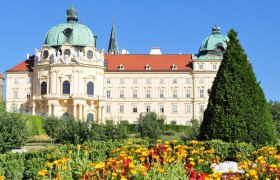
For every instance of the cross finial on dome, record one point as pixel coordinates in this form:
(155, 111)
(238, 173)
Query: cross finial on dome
(216, 30)
(72, 14)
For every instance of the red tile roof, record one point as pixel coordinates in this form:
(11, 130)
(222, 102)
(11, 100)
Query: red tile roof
(138, 62)
(131, 62)
(25, 65)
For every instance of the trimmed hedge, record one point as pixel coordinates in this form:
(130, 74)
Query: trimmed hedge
(35, 126)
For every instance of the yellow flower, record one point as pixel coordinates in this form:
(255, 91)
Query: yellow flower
(252, 172)
(64, 168)
(133, 171)
(85, 151)
(200, 161)
(238, 156)
(192, 163)
(142, 159)
(193, 142)
(78, 146)
(2, 177)
(160, 170)
(129, 143)
(85, 146)
(159, 141)
(91, 164)
(167, 142)
(100, 165)
(174, 141)
(70, 151)
(114, 175)
(49, 165)
(131, 165)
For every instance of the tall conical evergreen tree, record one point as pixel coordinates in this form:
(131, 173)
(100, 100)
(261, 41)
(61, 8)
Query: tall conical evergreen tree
(237, 108)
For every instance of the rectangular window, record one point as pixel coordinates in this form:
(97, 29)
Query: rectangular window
(108, 109)
(148, 93)
(108, 94)
(148, 108)
(161, 93)
(201, 108)
(174, 108)
(16, 81)
(134, 81)
(28, 94)
(121, 80)
(188, 93)
(121, 108)
(161, 108)
(134, 94)
(188, 80)
(161, 81)
(108, 81)
(188, 108)
(175, 93)
(15, 94)
(121, 93)
(174, 81)
(201, 93)
(134, 109)
(214, 66)
(148, 80)
(200, 66)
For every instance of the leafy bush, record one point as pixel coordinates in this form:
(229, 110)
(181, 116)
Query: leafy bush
(193, 131)
(177, 128)
(12, 131)
(35, 126)
(54, 127)
(237, 111)
(150, 125)
(12, 165)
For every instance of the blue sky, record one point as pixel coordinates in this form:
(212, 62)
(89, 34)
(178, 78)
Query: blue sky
(177, 26)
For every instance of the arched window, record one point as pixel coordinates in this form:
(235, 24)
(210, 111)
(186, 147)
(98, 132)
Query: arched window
(43, 88)
(90, 88)
(65, 115)
(90, 117)
(66, 87)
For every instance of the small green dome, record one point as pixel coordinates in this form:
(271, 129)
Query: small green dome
(72, 32)
(216, 39)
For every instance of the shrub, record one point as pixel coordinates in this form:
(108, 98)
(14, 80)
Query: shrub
(237, 108)
(54, 127)
(12, 131)
(193, 131)
(150, 125)
(35, 126)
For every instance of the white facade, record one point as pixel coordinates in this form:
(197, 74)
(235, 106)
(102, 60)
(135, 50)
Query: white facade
(69, 76)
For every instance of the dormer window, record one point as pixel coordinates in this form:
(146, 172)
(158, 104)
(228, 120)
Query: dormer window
(174, 67)
(148, 67)
(121, 67)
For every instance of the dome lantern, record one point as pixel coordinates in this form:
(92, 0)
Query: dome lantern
(72, 14)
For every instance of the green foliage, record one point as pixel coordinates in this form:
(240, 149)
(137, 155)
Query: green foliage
(192, 132)
(177, 128)
(228, 151)
(12, 131)
(2, 107)
(274, 107)
(54, 127)
(35, 126)
(237, 109)
(12, 165)
(150, 125)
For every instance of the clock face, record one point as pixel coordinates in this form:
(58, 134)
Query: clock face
(89, 54)
(45, 54)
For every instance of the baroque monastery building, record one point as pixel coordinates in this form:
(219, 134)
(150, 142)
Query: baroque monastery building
(70, 76)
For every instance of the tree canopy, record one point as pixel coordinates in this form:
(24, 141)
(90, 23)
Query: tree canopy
(237, 109)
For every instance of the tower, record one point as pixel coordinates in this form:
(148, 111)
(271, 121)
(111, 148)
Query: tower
(113, 43)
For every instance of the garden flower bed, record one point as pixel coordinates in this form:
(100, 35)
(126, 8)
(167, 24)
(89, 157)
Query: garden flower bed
(141, 159)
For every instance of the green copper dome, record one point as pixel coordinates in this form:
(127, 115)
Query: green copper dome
(214, 41)
(72, 32)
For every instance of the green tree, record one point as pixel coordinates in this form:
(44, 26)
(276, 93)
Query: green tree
(237, 108)
(150, 125)
(274, 107)
(13, 132)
